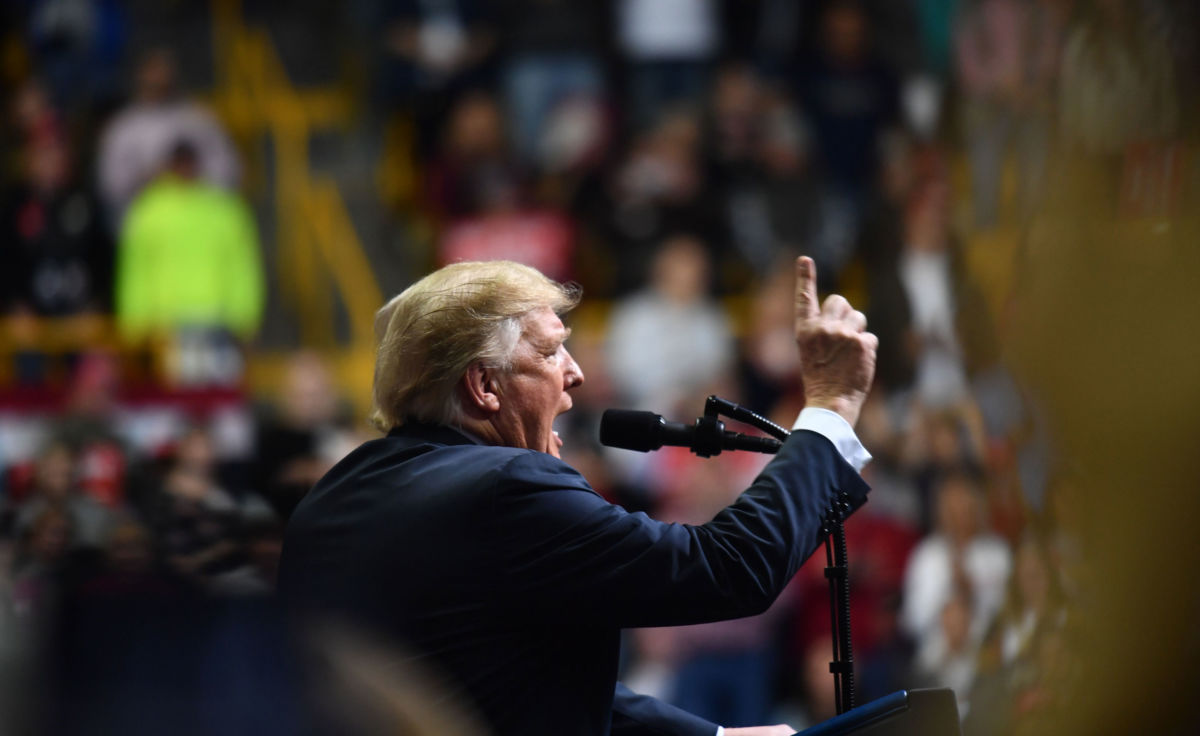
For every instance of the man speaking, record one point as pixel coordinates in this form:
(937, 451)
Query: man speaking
(462, 538)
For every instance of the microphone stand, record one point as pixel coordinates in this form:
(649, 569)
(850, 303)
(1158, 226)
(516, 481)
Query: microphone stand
(709, 430)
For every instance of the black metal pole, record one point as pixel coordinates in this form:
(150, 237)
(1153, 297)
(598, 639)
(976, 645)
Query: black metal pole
(837, 568)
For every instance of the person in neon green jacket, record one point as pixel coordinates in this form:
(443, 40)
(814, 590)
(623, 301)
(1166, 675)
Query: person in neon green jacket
(188, 257)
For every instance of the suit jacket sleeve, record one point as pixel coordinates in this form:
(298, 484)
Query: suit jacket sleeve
(642, 715)
(568, 556)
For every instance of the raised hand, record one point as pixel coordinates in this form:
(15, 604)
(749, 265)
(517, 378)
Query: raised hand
(837, 354)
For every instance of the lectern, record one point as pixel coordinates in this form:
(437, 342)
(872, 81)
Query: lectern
(932, 712)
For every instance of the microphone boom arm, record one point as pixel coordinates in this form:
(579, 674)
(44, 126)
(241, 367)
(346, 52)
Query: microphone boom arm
(715, 406)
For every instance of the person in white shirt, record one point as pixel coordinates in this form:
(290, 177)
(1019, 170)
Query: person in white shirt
(960, 554)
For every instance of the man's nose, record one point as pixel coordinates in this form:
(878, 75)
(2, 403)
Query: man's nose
(573, 376)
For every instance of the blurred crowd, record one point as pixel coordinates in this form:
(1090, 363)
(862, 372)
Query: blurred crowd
(672, 156)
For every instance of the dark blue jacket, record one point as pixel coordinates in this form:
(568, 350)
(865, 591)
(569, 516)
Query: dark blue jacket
(505, 572)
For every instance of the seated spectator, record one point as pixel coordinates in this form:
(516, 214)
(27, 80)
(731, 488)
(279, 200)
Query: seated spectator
(658, 189)
(928, 272)
(938, 443)
(35, 118)
(1020, 661)
(1035, 602)
(131, 568)
(194, 518)
(671, 339)
(948, 657)
(555, 50)
(851, 99)
(188, 263)
(433, 53)
(481, 190)
(758, 152)
(56, 487)
(880, 245)
(668, 46)
(1007, 53)
(55, 256)
(960, 554)
(139, 140)
(301, 440)
(769, 364)
(575, 139)
(474, 165)
(735, 120)
(571, 152)
(791, 189)
(41, 567)
(90, 424)
(887, 667)
(1117, 83)
(894, 494)
(77, 46)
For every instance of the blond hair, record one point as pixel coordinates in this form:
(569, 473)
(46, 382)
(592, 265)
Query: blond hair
(435, 329)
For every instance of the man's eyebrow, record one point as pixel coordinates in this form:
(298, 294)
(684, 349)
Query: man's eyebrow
(556, 341)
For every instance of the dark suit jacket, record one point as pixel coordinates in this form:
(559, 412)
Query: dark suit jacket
(502, 569)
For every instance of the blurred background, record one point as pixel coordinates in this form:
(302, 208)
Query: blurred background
(203, 204)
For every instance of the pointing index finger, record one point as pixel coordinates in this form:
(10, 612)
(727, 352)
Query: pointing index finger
(807, 306)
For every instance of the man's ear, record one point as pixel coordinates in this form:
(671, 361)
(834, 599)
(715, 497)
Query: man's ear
(481, 388)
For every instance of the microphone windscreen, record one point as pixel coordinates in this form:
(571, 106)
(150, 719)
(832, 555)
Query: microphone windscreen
(631, 430)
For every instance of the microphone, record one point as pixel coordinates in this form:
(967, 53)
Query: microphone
(644, 431)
